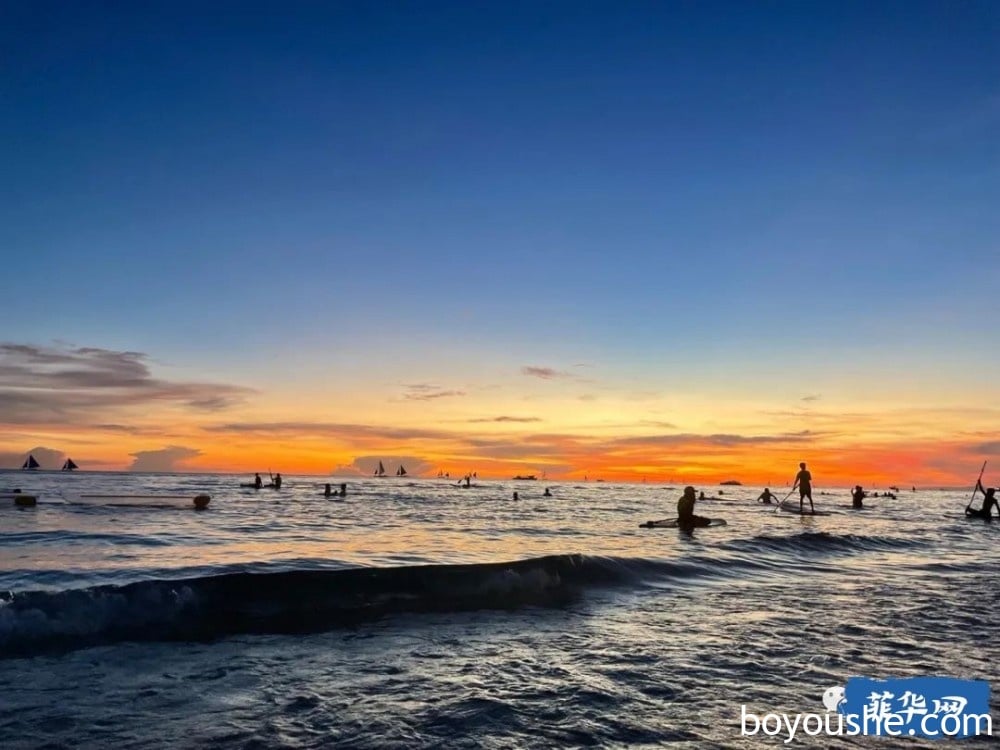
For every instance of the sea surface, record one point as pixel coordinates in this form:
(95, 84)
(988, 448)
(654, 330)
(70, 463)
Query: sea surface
(416, 614)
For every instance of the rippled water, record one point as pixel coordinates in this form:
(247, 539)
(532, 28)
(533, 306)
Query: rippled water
(418, 614)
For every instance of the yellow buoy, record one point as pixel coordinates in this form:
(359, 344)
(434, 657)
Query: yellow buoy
(201, 501)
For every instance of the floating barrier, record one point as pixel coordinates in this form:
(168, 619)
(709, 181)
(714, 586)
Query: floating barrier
(20, 499)
(199, 502)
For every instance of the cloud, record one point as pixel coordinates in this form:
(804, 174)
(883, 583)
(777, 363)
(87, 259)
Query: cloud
(506, 419)
(545, 373)
(48, 458)
(343, 430)
(164, 459)
(720, 439)
(811, 397)
(991, 448)
(61, 384)
(427, 392)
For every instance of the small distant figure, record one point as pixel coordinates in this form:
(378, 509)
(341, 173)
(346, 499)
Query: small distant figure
(701, 495)
(989, 502)
(858, 497)
(468, 480)
(277, 481)
(257, 481)
(547, 493)
(686, 519)
(914, 489)
(767, 496)
(328, 492)
(343, 489)
(803, 480)
(515, 496)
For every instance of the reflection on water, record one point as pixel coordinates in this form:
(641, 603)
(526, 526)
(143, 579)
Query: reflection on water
(651, 636)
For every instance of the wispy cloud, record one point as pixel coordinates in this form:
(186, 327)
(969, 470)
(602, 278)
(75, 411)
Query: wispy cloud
(991, 448)
(355, 432)
(545, 373)
(46, 385)
(720, 439)
(811, 397)
(522, 420)
(428, 392)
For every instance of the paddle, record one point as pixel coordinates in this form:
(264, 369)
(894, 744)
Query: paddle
(778, 506)
(976, 486)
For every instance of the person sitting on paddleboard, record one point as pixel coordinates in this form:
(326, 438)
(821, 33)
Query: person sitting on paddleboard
(989, 502)
(858, 497)
(803, 480)
(257, 481)
(685, 510)
(767, 496)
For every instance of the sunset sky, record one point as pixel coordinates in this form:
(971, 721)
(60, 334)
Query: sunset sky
(678, 241)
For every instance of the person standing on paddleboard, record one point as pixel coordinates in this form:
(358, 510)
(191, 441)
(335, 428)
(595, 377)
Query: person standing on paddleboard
(803, 480)
(685, 511)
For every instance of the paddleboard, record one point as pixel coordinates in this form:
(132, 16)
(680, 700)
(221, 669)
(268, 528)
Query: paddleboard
(671, 523)
(971, 518)
(795, 509)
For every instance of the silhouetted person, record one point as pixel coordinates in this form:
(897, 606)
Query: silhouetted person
(257, 481)
(547, 493)
(858, 497)
(343, 489)
(803, 480)
(989, 502)
(766, 496)
(328, 492)
(686, 519)
(277, 481)
(701, 495)
(515, 496)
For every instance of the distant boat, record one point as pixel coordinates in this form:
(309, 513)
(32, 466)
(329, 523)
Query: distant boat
(380, 471)
(31, 463)
(69, 465)
(401, 472)
(527, 478)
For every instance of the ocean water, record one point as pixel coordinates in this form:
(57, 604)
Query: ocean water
(417, 614)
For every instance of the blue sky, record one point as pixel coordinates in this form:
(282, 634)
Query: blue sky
(333, 188)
